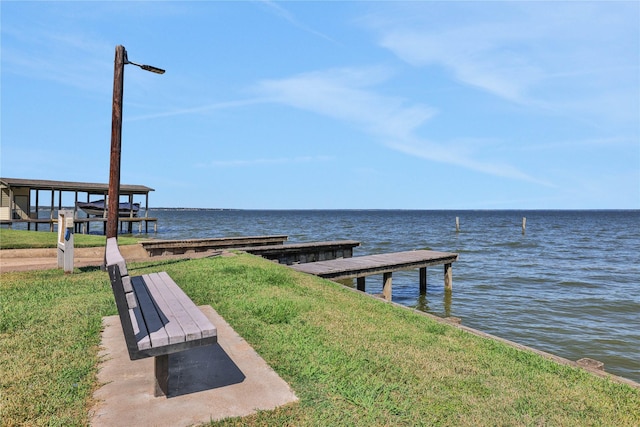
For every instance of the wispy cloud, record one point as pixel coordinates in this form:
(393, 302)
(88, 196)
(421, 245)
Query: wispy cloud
(264, 161)
(291, 19)
(459, 155)
(64, 57)
(343, 94)
(349, 95)
(199, 109)
(572, 59)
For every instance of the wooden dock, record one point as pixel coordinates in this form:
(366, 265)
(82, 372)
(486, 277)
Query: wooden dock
(385, 264)
(176, 247)
(294, 253)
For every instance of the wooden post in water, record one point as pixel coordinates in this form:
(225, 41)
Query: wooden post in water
(423, 280)
(360, 283)
(524, 224)
(448, 277)
(386, 288)
(457, 224)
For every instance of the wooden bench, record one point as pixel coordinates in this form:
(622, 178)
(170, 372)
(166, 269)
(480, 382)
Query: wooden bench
(157, 317)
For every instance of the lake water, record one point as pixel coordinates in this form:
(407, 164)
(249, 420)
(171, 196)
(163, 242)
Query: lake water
(569, 286)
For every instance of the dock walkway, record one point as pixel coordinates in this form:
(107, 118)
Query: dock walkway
(385, 264)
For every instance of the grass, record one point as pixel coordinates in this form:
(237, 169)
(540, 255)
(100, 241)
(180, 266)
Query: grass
(351, 360)
(21, 239)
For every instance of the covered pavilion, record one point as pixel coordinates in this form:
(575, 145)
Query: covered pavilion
(21, 202)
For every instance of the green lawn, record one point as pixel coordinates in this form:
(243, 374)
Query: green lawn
(351, 359)
(21, 239)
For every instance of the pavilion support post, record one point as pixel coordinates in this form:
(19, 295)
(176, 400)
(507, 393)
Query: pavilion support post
(130, 227)
(423, 280)
(448, 276)
(36, 213)
(360, 283)
(12, 207)
(75, 205)
(386, 288)
(146, 215)
(53, 205)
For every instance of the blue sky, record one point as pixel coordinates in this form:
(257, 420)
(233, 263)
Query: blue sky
(314, 105)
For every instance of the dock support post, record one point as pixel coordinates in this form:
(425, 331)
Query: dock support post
(360, 283)
(423, 280)
(448, 276)
(386, 289)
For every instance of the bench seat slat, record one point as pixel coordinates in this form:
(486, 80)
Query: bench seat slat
(175, 305)
(206, 329)
(155, 325)
(167, 312)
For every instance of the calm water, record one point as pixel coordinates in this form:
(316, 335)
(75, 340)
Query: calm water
(569, 286)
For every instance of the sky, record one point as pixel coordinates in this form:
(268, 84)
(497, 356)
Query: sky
(331, 105)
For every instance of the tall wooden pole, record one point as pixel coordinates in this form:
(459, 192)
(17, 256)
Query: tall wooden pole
(116, 140)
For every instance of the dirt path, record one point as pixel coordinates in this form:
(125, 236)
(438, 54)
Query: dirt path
(45, 259)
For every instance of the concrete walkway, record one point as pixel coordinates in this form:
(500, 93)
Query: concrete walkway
(209, 383)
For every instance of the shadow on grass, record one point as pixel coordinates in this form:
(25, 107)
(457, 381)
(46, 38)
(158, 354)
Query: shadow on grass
(90, 268)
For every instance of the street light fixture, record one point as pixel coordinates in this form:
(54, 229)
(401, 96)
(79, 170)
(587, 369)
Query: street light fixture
(144, 67)
(116, 136)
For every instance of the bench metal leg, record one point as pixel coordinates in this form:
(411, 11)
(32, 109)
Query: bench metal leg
(162, 375)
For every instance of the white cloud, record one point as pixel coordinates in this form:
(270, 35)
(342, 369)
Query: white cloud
(474, 54)
(198, 110)
(347, 95)
(290, 18)
(343, 94)
(564, 57)
(460, 155)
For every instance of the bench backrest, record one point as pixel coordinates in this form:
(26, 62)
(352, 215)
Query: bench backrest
(122, 290)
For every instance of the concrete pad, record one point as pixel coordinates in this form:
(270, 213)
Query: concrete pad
(228, 379)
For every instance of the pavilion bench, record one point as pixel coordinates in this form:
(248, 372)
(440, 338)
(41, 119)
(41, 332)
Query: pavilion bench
(157, 317)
